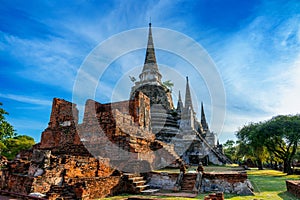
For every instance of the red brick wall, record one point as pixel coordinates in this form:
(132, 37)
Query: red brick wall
(229, 177)
(62, 126)
(293, 187)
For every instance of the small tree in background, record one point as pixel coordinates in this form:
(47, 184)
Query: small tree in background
(11, 143)
(16, 144)
(230, 150)
(6, 129)
(168, 84)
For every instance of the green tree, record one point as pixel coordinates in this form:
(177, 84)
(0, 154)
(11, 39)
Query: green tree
(16, 144)
(230, 149)
(6, 129)
(10, 143)
(2, 147)
(251, 143)
(276, 139)
(168, 84)
(297, 155)
(282, 136)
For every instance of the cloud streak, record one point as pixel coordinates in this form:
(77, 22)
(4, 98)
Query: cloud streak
(26, 99)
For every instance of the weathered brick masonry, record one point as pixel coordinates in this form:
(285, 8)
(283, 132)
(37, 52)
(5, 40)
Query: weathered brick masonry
(293, 187)
(83, 160)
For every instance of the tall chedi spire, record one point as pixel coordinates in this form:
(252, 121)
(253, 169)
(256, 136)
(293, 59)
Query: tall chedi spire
(150, 73)
(203, 119)
(179, 104)
(150, 80)
(188, 115)
(188, 98)
(179, 108)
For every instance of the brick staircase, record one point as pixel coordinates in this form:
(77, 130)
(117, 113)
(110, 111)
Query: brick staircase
(188, 182)
(137, 182)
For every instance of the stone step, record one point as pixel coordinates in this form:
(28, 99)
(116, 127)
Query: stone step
(187, 188)
(131, 175)
(150, 191)
(188, 182)
(134, 179)
(139, 183)
(140, 188)
(189, 178)
(187, 185)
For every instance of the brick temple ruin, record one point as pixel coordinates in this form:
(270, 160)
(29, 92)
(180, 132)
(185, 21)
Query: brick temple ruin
(118, 145)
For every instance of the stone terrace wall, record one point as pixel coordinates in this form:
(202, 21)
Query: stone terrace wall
(231, 182)
(211, 182)
(163, 180)
(293, 187)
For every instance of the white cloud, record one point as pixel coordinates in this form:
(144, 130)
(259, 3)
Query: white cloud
(260, 68)
(49, 62)
(289, 94)
(26, 99)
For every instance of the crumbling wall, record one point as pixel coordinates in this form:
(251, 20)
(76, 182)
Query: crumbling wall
(46, 169)
(61, 129)
(137, 110)
(293, 186)
(123, 136)
(99, 187)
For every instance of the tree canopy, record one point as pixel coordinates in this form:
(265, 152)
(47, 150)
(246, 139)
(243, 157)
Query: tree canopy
(230, 149)
(11, 143)
(6, 129)
(16, 144)
(278, 137)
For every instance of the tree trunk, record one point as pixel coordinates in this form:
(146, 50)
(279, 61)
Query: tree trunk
(287, 168)
(276, 165)
(259, 164)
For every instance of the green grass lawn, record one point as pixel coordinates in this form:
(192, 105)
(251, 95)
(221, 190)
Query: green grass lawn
(268, 185)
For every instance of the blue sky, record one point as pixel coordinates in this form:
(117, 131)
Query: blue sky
(255, 46)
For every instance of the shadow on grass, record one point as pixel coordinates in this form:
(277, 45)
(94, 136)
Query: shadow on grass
(287, 195)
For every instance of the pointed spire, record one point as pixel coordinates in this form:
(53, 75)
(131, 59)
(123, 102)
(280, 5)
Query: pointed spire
(150, 71)
(150, 53)
(203, 119)
(188, 98)
(179, 104)
(179, 97)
